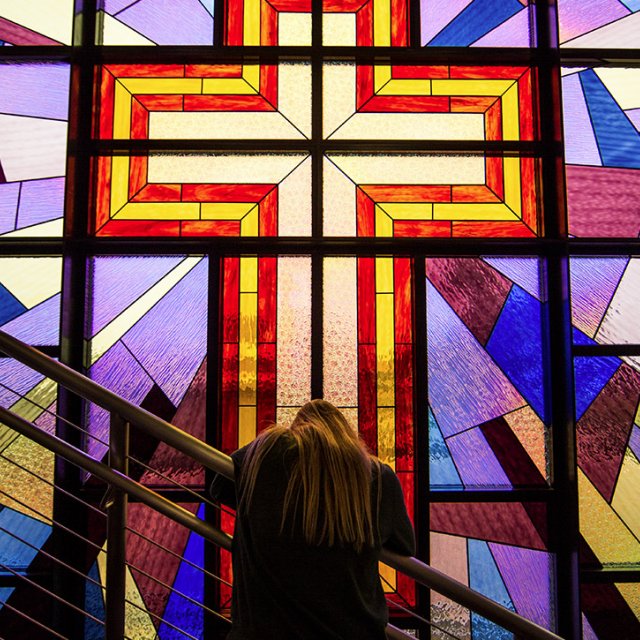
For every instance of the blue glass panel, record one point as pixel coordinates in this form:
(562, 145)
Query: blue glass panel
(516, 345)
(10, 306)
(94, 604)
(618, 140)
(442, 470)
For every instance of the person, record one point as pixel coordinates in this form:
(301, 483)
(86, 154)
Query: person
(313, 509)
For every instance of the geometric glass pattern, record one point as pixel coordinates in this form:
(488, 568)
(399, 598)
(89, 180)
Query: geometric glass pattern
(485, 372)
(33, 129)
(413, 195)
(223, 194)
(476, 23)
(37, 22)
(602, 150)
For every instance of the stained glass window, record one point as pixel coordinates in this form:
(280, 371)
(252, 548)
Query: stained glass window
(222, 209)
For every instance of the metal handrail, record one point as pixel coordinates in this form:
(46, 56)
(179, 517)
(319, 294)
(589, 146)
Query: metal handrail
(220, 463)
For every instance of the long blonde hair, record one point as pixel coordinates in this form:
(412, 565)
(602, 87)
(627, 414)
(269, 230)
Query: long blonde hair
(330, 476)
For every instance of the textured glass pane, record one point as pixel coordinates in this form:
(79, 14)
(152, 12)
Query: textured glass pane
(599, 23)
(500, 550)
(602, 151)
(426, 195)
(368, 356)
(427, 102)
(37, 22)
(222, 194)
(485, 373)
(33, 130)
(481, 23)
(155, 22)
(608, 440)
(266, 319)
(146, 338)
(239, 101)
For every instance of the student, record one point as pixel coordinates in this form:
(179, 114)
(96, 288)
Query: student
(314, 509)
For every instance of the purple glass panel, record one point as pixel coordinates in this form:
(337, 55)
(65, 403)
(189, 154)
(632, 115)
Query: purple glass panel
(113, 6)
(634, 116)
(475, 461)
(466, 387)
(119, 281)
(120, 372)
(580, 145)
(509, 33)
(603, 201)
(8, 205)
(170, 340)
(15, 376)
(579, 16)
(170, 21)
(40, 90)
(634, 441)
(41, 200)
(38, 326)
(525, 272)
(527, 575)
(593, 283)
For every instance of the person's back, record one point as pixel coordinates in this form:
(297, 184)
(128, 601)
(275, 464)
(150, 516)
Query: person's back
(314, 582)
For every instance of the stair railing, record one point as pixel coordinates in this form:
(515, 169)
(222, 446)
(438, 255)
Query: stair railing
(124, 413)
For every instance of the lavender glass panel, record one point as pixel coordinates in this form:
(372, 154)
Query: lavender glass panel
(634, 116)
(41, 200)
(525, 272)
(580, 145)
(38, 326)
(113, 6)
(634, 441)
(170, 340)
(40, 90)
(476, 462)
(515, 32)
(579, 16)
(436, 14)
(528, 576)
(118, 281)
(8, 205)
(170, 22)
(593, 283)
(466, 388)
(119, 371)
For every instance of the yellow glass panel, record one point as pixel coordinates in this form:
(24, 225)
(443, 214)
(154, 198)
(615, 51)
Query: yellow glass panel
(162, 86)
(631, 593)
(387, 436)
(121, 112)
(251, 74)
(603, 530)
(384, 275)
(249, 275)
(250, 224)
(511, 114)
(388, 577)
(512, 188)
(472, 211)
(22, 485)
(381, 75)
(384, 224)
(406, 88)
(382, 23)
(409, 210)
(251, 35)
(119, 182)
(626, 499)
(532, 434)
(246, 425)
(31, 280)
(470, 87)
(225, 210)
(159, 211)
(385, 349)
(247, 348)
(227, 86)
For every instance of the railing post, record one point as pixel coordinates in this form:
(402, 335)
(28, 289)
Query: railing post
(116, 531)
